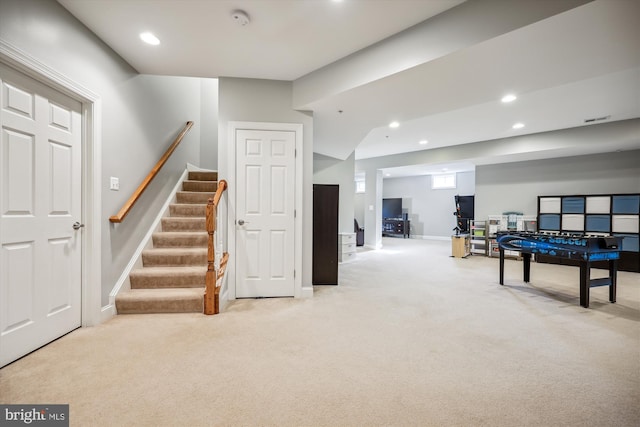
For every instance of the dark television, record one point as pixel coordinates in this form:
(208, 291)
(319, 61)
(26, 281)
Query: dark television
(391, 208)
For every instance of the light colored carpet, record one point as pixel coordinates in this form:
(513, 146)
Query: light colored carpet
(410, 337)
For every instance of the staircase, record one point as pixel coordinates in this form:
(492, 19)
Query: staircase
(172, 279)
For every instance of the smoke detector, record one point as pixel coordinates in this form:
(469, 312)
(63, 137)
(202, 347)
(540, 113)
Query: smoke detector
(597, 119)
(241, 17)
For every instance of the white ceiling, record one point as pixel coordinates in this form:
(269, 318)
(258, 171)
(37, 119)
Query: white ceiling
(580, 64)
(284, 40)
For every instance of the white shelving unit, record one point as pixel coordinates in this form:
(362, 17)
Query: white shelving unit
(496, 223)
(501, 223)
(478, 237)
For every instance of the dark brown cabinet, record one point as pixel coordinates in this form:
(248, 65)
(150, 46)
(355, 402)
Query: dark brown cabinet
(325, 234)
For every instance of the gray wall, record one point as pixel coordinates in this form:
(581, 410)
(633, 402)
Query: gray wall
(141, 115)
(359, 200)
(511, 187)
(554, 145)
(327, 170)
(516, 186)
(250, 100)
(209, 124)
(430, 211)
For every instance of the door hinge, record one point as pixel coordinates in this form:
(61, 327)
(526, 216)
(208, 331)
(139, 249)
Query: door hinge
(294, 274)
(295, 152)
(294, 213)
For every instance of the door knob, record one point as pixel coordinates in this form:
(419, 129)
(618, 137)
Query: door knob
(242, 222)
(77, 225)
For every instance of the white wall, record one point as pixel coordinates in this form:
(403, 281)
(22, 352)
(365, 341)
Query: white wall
(430, 211)
(141, 115)
(327, 170)
(516, 186)
(250, 100)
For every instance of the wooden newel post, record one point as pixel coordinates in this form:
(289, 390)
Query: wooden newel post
(210, 303)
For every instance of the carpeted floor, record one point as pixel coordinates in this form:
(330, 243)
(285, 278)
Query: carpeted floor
(410, 337)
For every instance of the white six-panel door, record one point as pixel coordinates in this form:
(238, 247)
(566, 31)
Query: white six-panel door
(40, 200)
(265, 204)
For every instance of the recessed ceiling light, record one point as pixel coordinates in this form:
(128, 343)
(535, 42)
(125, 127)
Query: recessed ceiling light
(518, 126)
(424, 142)
(394, 125)
(149, 38)
(509, 98)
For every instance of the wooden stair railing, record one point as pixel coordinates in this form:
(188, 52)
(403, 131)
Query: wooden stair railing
(136, 194)
(214, 278)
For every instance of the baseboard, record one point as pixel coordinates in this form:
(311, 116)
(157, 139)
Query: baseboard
(107, 312)
(442, 238)
(306, 292)
(414, 236)
(123, 283)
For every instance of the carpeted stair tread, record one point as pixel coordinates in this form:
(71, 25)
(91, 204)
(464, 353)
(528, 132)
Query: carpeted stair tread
(188, 209)
(168, 277)
(203, 176)
(204, 186)
(172, 300)
(184, 224)
(173, 275)
(180, 239)
(174, 257)
(194, 196)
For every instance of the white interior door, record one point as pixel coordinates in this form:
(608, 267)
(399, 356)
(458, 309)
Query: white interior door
(40, 200)
(265, 204)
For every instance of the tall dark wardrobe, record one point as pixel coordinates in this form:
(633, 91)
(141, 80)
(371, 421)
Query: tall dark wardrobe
(325, 234)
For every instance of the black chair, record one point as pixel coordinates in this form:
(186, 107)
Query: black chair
(359, 233)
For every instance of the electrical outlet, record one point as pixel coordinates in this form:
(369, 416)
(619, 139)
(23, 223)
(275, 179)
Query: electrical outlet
(114, 184)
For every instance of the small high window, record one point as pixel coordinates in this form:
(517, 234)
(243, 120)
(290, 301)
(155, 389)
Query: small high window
(443, 181)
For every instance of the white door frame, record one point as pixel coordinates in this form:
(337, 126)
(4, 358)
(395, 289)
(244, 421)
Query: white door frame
(232, 128)
(91, 173)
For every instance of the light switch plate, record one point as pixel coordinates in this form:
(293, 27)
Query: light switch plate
(114, 184)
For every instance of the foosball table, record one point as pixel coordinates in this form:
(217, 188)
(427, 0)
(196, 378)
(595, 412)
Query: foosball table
(585, 249)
